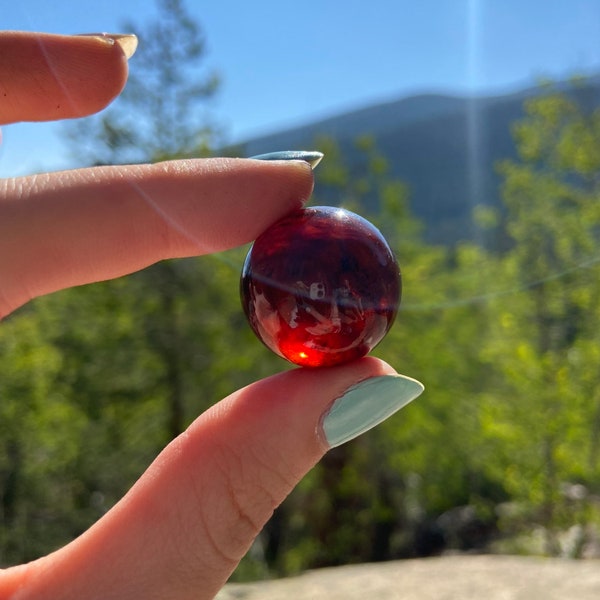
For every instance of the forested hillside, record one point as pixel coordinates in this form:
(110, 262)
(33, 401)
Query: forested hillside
(445, 148)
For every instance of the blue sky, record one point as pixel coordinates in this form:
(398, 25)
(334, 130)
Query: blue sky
(286, 63)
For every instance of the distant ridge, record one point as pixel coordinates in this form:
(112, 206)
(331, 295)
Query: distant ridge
(444, 147)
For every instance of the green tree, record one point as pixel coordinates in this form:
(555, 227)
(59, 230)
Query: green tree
(28, 366)
(163, 111)
(162, 115)
(545, 337)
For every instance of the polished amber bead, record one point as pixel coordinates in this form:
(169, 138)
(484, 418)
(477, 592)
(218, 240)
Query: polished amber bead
(321, 287)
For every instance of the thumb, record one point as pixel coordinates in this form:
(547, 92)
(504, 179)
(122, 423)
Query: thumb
(185, 525)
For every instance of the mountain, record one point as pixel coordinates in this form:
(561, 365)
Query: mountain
(444, 147)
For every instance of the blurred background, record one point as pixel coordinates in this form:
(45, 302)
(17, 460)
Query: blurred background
(469, 132)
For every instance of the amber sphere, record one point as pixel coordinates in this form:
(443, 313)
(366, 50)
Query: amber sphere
(321, 287)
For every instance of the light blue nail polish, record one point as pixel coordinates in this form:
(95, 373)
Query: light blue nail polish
(312, 157)
(367, 404)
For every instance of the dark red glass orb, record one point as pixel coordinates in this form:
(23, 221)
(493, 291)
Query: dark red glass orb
(321, 287)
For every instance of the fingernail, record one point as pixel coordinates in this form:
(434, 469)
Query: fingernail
(367, 404)
(127, 41)
(312, 157)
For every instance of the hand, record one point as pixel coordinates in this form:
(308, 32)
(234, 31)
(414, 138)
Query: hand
(183, 527)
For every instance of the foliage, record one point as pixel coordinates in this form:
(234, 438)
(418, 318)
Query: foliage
(162, 112)
(545, 343)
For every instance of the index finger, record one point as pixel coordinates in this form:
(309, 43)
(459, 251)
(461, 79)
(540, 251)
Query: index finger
(45, 77)
(64, 229)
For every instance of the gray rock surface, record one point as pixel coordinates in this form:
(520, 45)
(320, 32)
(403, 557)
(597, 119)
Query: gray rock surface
(443, 578)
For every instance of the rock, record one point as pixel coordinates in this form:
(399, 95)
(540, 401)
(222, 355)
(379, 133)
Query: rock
(441, 578)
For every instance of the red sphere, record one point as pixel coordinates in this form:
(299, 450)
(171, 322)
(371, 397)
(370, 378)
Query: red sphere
(321, 287)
